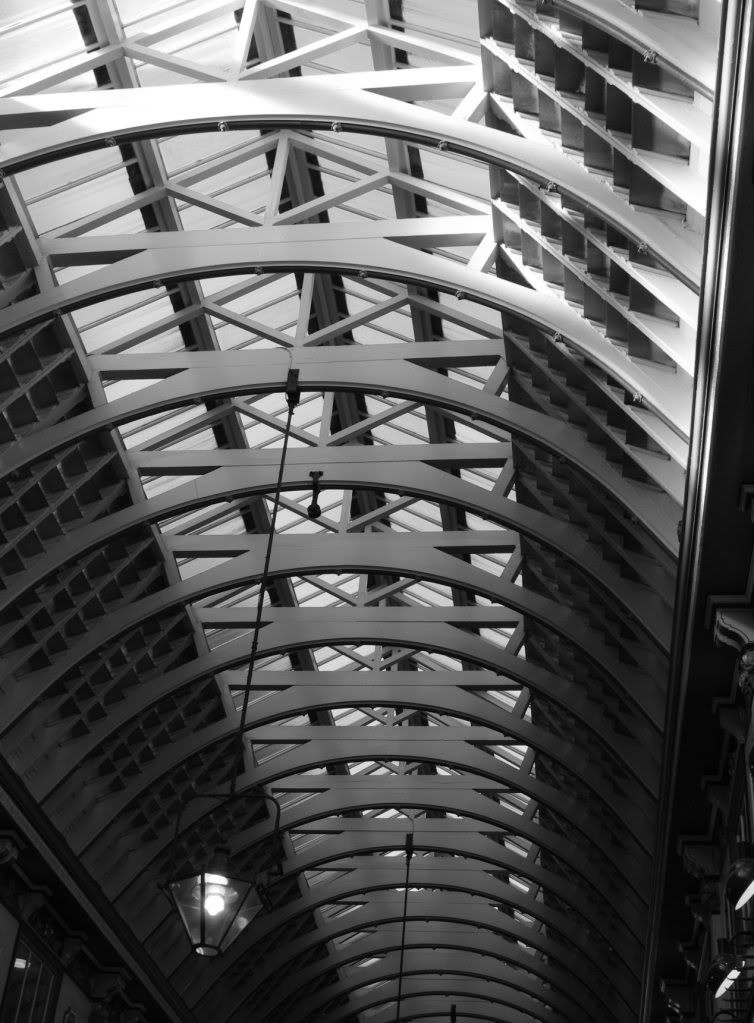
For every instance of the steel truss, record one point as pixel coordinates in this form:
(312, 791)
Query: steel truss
(471, 642)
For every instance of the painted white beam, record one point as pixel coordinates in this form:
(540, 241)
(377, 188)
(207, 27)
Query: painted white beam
(42, 128)
(312, 247)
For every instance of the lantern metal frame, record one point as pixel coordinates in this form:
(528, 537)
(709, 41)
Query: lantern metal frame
(211, 934)
(187, 889)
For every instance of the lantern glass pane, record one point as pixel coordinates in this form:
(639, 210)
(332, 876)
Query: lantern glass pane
(250, 905)
(188, 905)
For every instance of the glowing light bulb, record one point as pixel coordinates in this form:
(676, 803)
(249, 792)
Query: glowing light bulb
(214, 899)
(214, 904)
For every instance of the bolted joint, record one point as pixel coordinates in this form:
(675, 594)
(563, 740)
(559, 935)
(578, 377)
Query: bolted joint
(336, 126)
(222, 126)
(649, 57)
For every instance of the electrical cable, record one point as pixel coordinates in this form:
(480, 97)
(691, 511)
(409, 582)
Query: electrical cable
(292, 396)
(409, 854)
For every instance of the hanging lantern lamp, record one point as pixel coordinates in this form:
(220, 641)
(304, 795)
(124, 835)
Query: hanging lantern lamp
(214, 907)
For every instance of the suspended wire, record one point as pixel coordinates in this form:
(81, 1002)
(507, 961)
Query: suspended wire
(409, 854)
(292, 395)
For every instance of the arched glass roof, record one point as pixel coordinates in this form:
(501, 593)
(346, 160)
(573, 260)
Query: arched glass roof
(476, 230)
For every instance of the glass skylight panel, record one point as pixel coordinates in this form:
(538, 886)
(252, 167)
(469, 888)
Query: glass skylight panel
(137, 311)
(45, 32)
(476, 377)
(217, 638)
(439, 660)
(507, 698)
(492, 563)
(332, 660)
(161, 484)
(483, 478)
(183, 523)
(190, 567)
(230, 525)
(307, 595)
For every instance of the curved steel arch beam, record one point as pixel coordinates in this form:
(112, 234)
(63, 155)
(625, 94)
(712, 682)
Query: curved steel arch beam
(329, 372)
(418, 963)
(383, 912)
(435, 1010)
(387, 940)
(481, 769)
(392, 250)
(640, 758)
(537, 1007)
(309, 247)
(468, 883)
(478, 914)
(569, 962)
(91, 120)
(636, 809)
(377, 913)
(92, 822)
(470, 806)
(419, 479)
(674, 48)
(360, 552)
(474, 847)
(424, 695)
